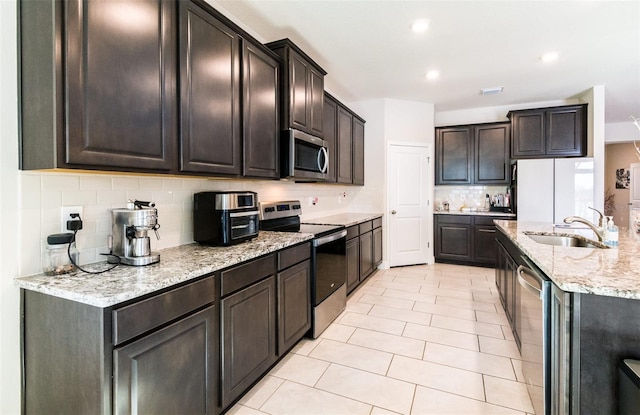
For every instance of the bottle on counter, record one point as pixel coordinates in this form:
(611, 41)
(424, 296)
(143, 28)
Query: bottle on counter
(611, 232)
(56, 256)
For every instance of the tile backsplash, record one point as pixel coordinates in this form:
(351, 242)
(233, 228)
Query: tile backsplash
(467, 196)
(42, 194)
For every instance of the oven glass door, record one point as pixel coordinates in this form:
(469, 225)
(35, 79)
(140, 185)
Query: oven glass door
(330, 268)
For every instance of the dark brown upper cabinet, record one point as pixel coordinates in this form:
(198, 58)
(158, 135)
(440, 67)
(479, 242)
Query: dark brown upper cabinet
(330, 134)
(358, 150)
(344, 133)
(261, 125)
(549, 132)
(473, 154)
(111, 109)
(302, 86)
(210, 131)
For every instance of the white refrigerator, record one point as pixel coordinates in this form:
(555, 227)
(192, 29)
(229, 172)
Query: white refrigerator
(549, 190)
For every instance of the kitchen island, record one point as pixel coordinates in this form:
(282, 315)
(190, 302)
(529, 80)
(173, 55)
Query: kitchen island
(592, 312)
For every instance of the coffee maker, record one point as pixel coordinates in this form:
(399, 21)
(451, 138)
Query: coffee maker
(129, 227)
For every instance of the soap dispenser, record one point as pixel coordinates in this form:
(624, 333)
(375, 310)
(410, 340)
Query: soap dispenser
(611, 232)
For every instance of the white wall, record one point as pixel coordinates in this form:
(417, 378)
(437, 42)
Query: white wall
(9, 214)
(595, 137)
(490, 114)
(621, 132)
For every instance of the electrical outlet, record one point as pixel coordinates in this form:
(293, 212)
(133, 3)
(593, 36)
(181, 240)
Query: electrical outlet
(65, 215)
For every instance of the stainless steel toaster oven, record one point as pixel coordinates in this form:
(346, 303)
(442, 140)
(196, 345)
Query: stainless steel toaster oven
(225, 218)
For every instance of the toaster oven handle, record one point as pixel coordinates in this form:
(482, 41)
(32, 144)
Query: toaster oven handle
(323, 166)
(241, 214)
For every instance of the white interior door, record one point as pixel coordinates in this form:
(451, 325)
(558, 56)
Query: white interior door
(408, 205)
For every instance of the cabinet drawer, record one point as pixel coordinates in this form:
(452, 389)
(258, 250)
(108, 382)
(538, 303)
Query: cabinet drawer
(292, 256)
(456, 219)
(244, 275)
(485, 220)
(352, 232)
(365, 227)
(135, 319)
(377, 223)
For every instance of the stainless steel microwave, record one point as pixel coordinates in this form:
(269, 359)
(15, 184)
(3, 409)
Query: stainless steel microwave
(304, 157)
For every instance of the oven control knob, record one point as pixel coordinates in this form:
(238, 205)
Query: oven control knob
(393, 212)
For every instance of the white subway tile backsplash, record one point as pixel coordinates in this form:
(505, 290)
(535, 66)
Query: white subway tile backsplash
(61, 182)
(95, 183)
(125, 183)
(43, 193)
(80, 198)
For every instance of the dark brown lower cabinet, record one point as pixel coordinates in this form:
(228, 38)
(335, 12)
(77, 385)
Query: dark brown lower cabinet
(151, 378)
(353, 263)
(294, 304)
(506, 280)
(366, 254)
(377, 246)
(465, 239)
(248, 337)
(155, 355)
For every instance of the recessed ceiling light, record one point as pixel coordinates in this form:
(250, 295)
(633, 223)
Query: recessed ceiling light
(433, 74)
(549, 57)
(420, 26)
(492, 91)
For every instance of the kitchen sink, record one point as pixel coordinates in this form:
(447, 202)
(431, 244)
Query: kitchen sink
(557, 239)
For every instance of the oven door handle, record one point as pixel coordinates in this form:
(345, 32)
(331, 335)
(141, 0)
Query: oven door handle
(241, 214)
(330, 238)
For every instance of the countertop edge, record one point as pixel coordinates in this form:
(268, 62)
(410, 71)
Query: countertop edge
(98, 290)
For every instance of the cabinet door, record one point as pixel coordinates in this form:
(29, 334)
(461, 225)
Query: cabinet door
(173, 370)
(527, 129)
(358, 151)
(484, 244)
(345, 146)
(566, 131)
(492, 147)
(248, 337)
(294, 305)
(261, 126)
(366, 254)
(353, 263)
(330, 135)
(299, 92)
(453, 238)
(454, 155)
(210, 99)
(377, 247)
(120, 84)
(315, 105)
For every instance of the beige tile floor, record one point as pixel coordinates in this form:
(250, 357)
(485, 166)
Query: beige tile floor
(425, 339)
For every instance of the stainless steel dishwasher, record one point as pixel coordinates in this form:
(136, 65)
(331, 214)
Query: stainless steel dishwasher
(535, 330)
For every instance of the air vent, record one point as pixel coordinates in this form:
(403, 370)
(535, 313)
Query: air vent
(491, 91)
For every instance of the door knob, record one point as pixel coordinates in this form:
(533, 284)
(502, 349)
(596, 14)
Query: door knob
(393, 212)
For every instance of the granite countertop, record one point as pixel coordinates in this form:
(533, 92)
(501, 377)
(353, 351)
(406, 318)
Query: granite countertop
(345, 219)
(475, 213)
(610, 272)
(177, 265)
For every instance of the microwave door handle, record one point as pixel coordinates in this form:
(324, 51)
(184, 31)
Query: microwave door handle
(323, 167)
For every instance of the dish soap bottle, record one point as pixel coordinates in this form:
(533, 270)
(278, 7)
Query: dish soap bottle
(611, 233)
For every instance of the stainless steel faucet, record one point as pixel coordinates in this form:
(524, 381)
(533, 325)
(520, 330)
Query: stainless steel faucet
(598, 230)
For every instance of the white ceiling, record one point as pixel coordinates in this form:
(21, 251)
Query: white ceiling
(369, 52)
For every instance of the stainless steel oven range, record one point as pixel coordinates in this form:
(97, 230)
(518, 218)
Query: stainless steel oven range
(328, 259)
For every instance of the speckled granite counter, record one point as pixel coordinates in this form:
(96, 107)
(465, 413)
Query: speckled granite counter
(611, 272)
(177, 264)
(346, 219)
(475, 213)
